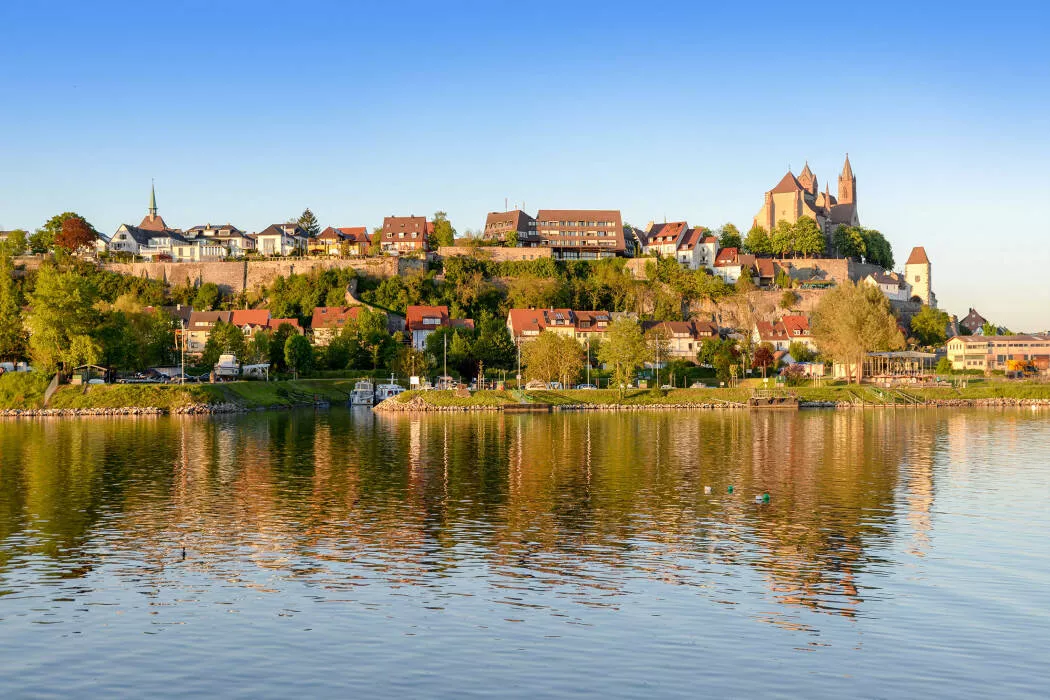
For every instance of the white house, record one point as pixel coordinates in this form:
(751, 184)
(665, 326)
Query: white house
(894, 286)
(281, 239)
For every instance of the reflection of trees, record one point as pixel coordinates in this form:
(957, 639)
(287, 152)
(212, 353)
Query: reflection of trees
(565, 501)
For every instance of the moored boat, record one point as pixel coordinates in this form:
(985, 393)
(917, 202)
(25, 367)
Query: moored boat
(364, 393)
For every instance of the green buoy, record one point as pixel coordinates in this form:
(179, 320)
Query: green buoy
(730, 489)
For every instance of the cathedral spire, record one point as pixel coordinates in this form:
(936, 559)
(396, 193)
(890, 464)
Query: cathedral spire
(152, 201)
(847, 184)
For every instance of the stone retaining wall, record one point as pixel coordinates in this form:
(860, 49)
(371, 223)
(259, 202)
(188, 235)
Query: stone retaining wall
(235, 276)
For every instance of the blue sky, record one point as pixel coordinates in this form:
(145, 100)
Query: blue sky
(250, 112)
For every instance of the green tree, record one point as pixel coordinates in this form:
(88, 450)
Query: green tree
(258, 350)
(410, 362)
(444, 234)
(207, 297)
(788, 299)
(782, 240)
(277, 343)
(849, 242)
(62, 317)
(800, 352)
(298, 354)
(745, 283)
(308, 222)
(224, 339)
(930, 326)
(729, 236)
(623, 350)
(374, 338)
(851, 321)
(552, 356)
(989, 329)
(807, 238)
(720, 354)
(493, 344)
(944, 366)
(12, 334)
(758, 241)
(877, 249)
(16, 243)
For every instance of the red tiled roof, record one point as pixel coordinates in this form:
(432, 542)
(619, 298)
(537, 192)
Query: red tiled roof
(275, 323)
(726, 256)
(414, 316)
(788, 183)
(392, 225)
(796, 325)
(355, 234)
(766, 268)
(667, 232)
(251, 317)
(333, 316)
(771, 332)
(538, 320)
(918, 256)
(692, 237)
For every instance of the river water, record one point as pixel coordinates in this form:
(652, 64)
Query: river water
(339, 554)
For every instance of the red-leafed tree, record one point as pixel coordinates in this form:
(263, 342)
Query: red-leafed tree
(764, 357)
(76, 233)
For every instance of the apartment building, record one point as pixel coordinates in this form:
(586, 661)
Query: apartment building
(581, 234)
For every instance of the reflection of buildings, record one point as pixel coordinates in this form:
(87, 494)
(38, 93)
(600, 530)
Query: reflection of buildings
(577, 503)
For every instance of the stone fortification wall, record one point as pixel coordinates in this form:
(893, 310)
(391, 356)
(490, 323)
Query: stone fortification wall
(236, 276)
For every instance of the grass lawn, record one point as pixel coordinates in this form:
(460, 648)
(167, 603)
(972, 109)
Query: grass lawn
(449, 398)
(637, 397)
(22, 389)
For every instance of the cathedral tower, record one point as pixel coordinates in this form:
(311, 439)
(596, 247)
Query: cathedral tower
(808, 180)
(847, 184)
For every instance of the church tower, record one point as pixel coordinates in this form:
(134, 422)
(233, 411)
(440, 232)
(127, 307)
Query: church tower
(847, 184)
(808, 180)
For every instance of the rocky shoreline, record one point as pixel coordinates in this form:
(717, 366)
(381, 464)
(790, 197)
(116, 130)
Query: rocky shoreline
(418, 405)
(189, 410)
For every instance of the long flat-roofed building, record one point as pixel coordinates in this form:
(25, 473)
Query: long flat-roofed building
(581, 234)
(992, 352)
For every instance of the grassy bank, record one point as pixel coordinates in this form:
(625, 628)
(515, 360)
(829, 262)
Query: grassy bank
(25, 391)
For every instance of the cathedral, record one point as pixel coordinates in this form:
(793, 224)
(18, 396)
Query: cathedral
(796, 197)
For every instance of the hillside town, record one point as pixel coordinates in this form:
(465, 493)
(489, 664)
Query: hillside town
(416, 299)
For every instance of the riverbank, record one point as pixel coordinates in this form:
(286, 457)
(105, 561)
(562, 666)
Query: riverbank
(842, 396)
(23, 396)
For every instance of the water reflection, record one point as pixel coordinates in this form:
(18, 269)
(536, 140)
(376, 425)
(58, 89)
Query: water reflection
(535, 512)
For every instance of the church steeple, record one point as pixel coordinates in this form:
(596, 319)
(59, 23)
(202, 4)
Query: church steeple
(152, 201)
(847, 184)
(153, 221)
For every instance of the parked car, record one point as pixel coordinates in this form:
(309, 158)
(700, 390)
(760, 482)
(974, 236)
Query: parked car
(586, 386)
(535, 385)
(697, 385)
